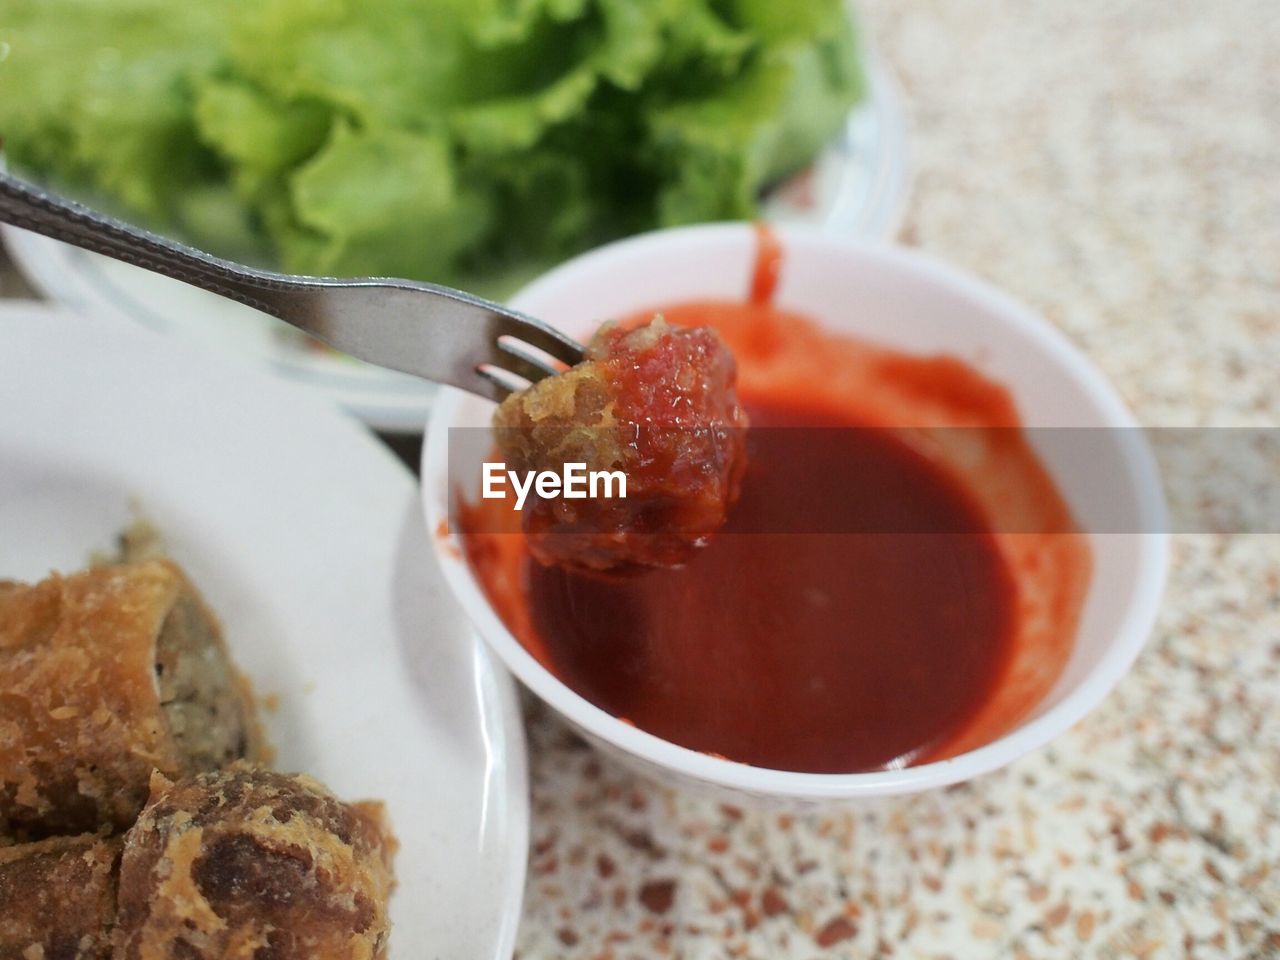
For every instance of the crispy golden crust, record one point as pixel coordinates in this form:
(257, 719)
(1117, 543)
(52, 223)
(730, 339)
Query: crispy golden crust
(57, 899)
(562, 419)
(246, 863)
(84, 718)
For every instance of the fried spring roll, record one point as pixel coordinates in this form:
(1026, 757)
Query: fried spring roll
(57, 899)
(249, 863)
(105, 676)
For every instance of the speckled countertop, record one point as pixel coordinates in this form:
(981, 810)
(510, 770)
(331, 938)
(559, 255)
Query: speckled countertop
(1116, 165)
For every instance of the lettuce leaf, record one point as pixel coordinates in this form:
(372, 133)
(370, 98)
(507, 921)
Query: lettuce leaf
(717, 152)
(435, 139)
(98, 93)
(257, 135)
(383, 201)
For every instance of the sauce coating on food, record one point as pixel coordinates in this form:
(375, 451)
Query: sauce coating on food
(868, 603)
(658, 405)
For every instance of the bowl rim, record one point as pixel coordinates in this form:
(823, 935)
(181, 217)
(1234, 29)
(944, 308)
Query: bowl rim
(1114, 661)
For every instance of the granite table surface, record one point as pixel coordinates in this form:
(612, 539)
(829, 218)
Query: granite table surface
(1117, 166)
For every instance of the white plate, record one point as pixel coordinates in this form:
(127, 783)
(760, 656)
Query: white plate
(306, 537)
(857, 188)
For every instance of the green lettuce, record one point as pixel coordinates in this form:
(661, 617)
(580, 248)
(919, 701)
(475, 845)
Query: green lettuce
(469, 141)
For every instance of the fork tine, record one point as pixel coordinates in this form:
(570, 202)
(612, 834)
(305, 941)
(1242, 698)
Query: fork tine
(515, 359)
(520, 367)
(546, 338)
(527, 363)
(493, 385)
(510, 363)
(510, 366)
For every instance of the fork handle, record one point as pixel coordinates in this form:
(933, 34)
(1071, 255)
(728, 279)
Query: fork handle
(423, 329)
(31, 208)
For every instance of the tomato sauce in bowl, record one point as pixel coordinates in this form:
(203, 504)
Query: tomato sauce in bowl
(898, 583)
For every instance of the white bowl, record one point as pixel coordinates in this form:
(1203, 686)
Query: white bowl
(904, 300)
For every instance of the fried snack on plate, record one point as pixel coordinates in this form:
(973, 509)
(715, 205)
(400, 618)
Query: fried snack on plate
(107, 675)
(58, 898)
(656, 402)
(249, 863)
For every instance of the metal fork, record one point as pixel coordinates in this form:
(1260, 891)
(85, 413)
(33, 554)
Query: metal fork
(427, 330)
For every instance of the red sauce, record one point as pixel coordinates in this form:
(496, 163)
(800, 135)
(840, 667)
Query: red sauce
(826, 652)
(768, 267)
(800, 651)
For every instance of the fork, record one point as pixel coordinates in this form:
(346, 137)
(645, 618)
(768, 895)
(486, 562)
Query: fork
(423, 329)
